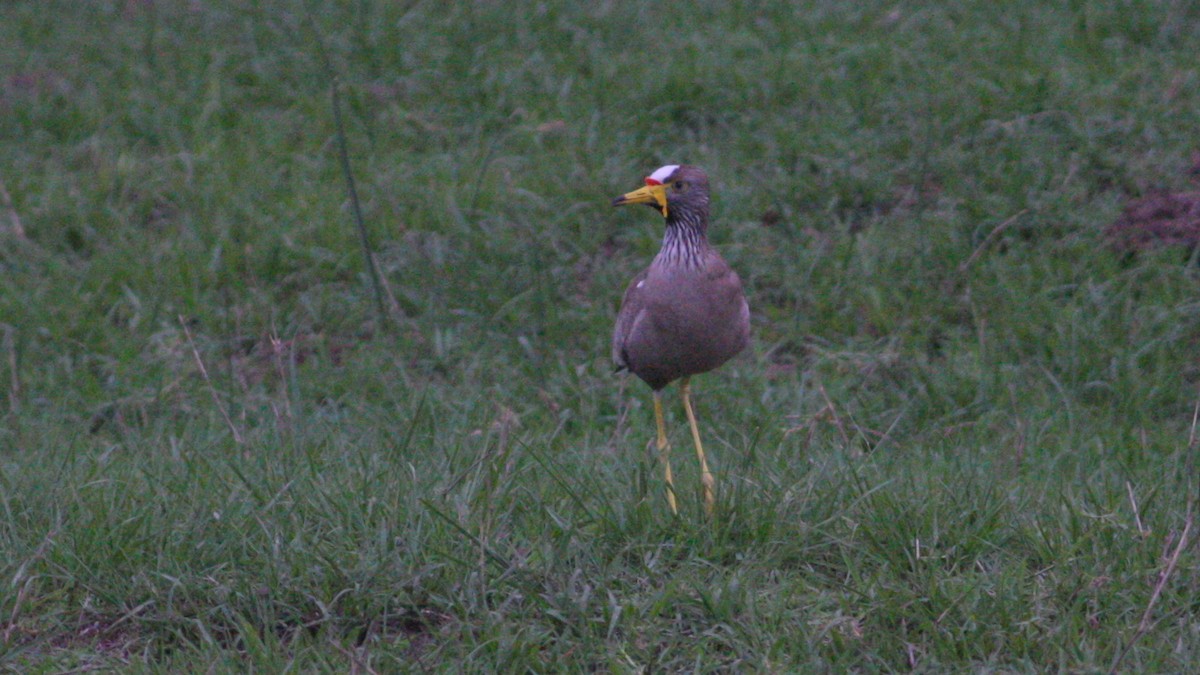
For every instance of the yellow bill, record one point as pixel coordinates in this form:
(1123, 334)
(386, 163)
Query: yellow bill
(652, 193)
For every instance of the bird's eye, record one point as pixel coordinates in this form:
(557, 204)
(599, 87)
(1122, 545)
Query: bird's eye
(678, 185)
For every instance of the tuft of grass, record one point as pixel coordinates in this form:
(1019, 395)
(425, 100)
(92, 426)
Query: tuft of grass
(963, 438)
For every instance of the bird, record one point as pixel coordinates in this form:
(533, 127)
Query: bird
(686, 313)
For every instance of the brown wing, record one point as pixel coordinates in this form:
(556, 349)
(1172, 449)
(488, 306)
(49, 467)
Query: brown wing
(631, 306)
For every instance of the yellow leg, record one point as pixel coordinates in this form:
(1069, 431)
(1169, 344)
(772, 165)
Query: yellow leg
(706, 477)
(664, 451)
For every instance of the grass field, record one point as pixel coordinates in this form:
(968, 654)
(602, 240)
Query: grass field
(962, 439)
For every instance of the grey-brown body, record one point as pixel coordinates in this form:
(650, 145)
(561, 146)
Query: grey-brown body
(677, 321)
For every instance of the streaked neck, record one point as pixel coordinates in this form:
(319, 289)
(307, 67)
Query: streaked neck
(684, 242)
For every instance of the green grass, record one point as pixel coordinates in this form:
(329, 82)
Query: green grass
(962, 440)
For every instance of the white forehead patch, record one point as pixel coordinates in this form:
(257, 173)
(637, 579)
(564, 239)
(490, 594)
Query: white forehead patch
(663, 173)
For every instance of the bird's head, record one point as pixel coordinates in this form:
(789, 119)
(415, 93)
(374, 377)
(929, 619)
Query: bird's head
(678, 191)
